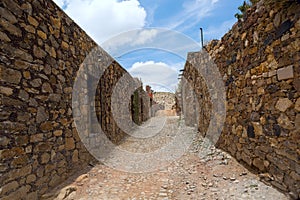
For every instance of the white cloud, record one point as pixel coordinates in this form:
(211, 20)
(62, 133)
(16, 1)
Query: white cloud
(150, 14)
(134, 39)
(145, 36)
(102, 19)
(160, 76)
(193, 12)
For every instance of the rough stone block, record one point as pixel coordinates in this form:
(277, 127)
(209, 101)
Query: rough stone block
(38, 52)
(5, 90)
(9, 187)
(4, 141)
(272, 73)
(23, 95)
(36, 82)
(65, 45)
(37, 138)
(42, 34)
(46, 126)
(29, 28)
(285, 122)
(58, 133)
(8, 15)
(70, 144)
(259, 164)
(10, 75)
(278, 162)
(246, 158)
(55, 22)
(22, 172)
(75, 157)
(283, 104)
(19, 64)
(297, 105)
(55, 180)
(42, 147)
(42, 115)
(12, 29)
(32, 21)
(30, 178)
(20, 161)
(46, 87)
(285, 73)
(257, 128)
(45, 158)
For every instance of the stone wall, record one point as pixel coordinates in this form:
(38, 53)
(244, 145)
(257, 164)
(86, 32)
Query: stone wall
(259, 61)
(196, 98)
(166, 99)
(41, 52)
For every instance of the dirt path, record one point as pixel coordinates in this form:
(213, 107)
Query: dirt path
(214, 176)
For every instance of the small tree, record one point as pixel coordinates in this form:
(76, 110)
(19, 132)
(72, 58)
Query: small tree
(243, 8)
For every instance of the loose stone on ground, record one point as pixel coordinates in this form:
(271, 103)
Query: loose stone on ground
(216, 175)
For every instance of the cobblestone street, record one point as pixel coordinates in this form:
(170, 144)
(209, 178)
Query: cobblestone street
(212, 176)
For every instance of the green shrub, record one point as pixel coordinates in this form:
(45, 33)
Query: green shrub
(243, 8)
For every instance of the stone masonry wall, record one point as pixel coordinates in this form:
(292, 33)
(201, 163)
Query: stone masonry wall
(141, 106)
(196, 99)
(167, 99)
(41, 53)
(259, 60)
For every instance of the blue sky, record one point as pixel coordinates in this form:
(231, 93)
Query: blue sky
(105, 20)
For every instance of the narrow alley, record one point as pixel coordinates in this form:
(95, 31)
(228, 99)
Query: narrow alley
(215, 175)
